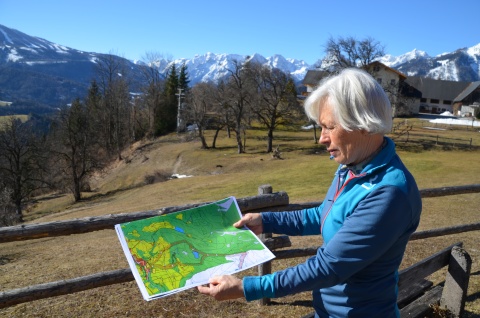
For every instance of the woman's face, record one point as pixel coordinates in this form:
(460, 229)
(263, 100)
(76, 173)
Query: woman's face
(346, 147)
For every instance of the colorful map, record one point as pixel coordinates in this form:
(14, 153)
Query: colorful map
(181, 250)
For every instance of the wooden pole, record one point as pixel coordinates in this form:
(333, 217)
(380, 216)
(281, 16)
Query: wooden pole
(456, 283)
(265, 268)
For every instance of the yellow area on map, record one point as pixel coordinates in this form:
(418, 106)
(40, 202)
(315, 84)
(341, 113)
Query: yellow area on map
(185, 270)
(179, 216)
(142, 246)
(170, 278)
(161, 250)
(158, 225)
(135, 233)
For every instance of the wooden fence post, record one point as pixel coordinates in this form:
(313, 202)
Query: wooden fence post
(456, 283)
(265, 268)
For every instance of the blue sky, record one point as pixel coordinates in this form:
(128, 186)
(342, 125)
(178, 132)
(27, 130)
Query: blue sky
(294, 29)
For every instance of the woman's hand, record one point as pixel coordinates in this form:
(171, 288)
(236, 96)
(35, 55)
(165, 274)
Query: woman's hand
(223, 287)
(251, 220)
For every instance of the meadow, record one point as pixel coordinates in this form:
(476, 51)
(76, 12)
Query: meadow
(6, 119)
(304, 171)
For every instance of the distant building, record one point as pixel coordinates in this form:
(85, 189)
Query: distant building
(391, 80)
(468, 101)
(413, 95)
(437, 95)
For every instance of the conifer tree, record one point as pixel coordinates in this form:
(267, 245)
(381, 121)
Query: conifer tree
(183, 92)
(183, 79)
(166, 116)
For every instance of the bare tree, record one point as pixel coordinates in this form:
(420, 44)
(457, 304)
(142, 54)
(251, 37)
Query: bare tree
(116, 123)
(237, 97)
(200, 106)
(7, 209)
(350, 52)
(153, 90)
(22, 162)
(75, 146)
(276, 99)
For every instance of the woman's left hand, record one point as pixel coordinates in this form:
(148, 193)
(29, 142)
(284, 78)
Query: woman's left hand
(223, 287)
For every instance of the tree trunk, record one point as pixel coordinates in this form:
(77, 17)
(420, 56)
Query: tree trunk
(238, 136)
(202, 138)
(315, 139)
(270, 141)
(215, 138)
(77, 194)
(18, 212)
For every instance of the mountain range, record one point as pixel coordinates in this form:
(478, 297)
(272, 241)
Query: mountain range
(39, 76)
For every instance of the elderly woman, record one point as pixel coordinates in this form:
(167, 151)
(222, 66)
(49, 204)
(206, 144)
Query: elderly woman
(366, 218)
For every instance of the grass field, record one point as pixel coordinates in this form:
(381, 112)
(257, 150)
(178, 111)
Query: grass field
(304, 173)
(6, 119)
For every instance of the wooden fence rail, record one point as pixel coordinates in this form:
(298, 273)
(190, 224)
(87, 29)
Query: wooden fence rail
(271, 201)
(75, 285)
(69, 286)
(96, 223)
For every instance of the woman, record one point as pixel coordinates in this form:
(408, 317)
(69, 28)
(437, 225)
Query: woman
(366, 219)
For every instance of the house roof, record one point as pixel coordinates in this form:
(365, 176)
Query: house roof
(313, 77)
(467, 91)
(400, 74)
(437, 89)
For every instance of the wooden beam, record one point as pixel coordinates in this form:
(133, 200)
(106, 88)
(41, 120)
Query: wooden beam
(31, 293)
(443, 191)
(445, 231)
(63, 287)
(456, 282)
(425, 267)
(96, 223)
(421, 307)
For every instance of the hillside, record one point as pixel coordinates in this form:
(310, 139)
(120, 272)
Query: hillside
(304, 173)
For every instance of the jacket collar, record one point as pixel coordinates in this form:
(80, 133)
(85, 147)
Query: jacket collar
(379, 159)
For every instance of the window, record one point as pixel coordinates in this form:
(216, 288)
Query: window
(379, 80)
(376, 68)
(392, 82)
(447, 102)
(434, 101)
(423, 100)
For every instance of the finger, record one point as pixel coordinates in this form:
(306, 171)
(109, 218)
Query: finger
(240, 223)
(204, 289)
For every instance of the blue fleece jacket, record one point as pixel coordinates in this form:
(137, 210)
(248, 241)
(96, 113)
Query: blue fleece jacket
(365, 223)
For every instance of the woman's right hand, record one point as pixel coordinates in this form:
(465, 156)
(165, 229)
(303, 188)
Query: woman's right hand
(251, 220)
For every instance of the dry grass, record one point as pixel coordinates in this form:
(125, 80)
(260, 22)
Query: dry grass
(304, 172)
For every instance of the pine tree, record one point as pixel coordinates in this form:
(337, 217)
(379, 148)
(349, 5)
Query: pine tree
(183, 91)
(183, 79)
(166, 116)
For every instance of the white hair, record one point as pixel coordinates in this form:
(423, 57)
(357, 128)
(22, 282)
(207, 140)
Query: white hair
(358, 101)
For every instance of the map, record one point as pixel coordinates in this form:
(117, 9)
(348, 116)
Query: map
(177, 251)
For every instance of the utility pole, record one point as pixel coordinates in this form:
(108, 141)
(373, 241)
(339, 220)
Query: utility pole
(180, 121)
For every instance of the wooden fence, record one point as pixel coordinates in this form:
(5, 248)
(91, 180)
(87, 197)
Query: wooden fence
(266, 200)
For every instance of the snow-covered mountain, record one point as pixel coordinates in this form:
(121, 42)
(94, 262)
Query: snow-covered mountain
(213, 67)
(39, 74)
(460, 65)
(36, 71)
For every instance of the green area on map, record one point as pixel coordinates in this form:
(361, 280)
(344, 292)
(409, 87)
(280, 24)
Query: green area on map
(169, 249)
